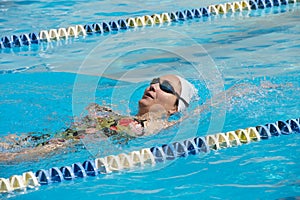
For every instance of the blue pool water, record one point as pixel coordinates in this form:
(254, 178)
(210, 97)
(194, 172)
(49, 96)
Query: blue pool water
(252, 58)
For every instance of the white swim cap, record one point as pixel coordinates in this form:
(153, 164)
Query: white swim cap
(188, 91)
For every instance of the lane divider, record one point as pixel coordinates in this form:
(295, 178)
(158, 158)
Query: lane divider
(142, 21)
(148, 156)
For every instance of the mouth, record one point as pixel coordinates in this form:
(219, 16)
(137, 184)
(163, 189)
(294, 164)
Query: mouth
(148, 95)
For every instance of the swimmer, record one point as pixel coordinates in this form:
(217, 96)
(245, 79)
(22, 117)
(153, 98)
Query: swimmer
(163, 97)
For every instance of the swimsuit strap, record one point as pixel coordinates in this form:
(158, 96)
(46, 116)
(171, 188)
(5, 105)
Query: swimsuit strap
(141, 121)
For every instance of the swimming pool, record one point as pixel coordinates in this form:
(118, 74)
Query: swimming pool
(41, 91)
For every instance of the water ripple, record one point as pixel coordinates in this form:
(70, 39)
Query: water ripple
(263, 159)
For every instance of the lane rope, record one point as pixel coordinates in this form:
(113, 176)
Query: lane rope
(148, 156)
(137, 22)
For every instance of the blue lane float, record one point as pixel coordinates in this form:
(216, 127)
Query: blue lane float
(55, 175)
(114, 26)
(122, 23)
(90, 168)
(43, 177)
(147, 20)
(88, 29)
(97, 28)
(78, 170)
(149, 156)
(25, 39)
(106, 27)
(34, 38)
(67, 172)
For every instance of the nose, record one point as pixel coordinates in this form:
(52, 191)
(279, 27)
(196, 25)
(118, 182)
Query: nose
(153, 87)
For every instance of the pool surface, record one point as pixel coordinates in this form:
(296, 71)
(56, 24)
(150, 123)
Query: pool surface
(245, 66)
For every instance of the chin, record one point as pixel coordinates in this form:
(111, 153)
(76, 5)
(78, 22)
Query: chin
(144, 102)
(143, 106)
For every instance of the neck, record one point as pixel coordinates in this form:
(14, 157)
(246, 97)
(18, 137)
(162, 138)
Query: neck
(149, 116)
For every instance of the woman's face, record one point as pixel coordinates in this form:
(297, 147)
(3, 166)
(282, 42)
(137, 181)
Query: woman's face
(155, 99)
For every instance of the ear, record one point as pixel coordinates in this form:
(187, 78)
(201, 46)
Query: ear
(173, 110)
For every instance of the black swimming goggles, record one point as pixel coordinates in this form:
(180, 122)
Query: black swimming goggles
(168, 88)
